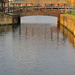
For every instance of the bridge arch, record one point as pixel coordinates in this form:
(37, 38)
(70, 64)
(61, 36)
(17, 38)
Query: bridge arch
(42, 19)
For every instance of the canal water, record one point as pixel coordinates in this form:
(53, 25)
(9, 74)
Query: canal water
(36, 47)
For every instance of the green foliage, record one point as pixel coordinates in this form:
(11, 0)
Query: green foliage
(73, 10)
(72, 15)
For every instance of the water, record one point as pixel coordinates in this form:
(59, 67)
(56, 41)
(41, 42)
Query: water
(36, 49)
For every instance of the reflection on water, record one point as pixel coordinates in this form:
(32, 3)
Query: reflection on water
(7, 28)
(68, 34)
(36, 49)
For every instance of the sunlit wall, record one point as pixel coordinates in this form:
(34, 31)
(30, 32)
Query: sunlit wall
(72, 2)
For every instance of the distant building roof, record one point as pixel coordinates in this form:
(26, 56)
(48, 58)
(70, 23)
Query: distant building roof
(41, 1)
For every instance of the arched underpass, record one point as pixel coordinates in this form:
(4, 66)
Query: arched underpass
(39, 19)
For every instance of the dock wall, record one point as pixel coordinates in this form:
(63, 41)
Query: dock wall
(68, 22)
(9, 19)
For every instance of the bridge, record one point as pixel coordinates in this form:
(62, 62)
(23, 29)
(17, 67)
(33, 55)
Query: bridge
(39, 11)
(39, 7)
(22, 8)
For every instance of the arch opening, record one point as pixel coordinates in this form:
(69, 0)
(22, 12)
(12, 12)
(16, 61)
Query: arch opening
(38, 20)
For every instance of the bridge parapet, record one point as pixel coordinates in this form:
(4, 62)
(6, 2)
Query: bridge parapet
(40, 11)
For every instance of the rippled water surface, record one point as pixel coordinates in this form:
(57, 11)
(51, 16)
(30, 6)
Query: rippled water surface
(36, 47)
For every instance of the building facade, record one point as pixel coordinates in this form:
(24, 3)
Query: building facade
(40, 1)
(73, 3)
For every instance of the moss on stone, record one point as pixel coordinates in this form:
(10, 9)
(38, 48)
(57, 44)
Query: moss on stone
(71, 15)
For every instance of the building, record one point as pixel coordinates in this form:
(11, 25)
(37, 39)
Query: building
(73, 3)
(2, 4)
(8, 2)
(40, 1)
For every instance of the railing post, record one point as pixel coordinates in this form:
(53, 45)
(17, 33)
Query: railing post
(51, 8)
(21, 5)
(39, 7)
(58, 8)
(64, 8)
(13, 8)
(32, 8)
(25, 7)
(19, 8)
(45, 7)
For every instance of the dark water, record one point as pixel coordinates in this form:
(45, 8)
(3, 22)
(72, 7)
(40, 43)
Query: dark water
(36, 49)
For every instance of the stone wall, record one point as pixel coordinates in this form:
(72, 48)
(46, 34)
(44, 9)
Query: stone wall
(7, 19)
(68, 22)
